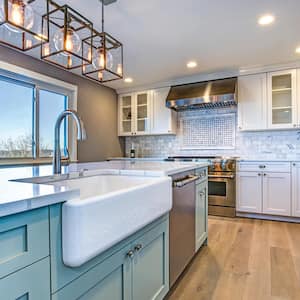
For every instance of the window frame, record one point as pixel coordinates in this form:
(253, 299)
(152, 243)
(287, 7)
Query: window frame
(39, 82)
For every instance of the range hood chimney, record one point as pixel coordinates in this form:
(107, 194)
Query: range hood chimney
(208, 94)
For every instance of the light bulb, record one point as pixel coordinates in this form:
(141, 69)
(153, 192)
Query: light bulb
(119, 70)
(99, 59)
(100, 76)
(46, 49)
(71, 44)
(20, 13)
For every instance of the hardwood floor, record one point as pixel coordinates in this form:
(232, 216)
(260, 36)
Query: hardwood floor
(245, 259)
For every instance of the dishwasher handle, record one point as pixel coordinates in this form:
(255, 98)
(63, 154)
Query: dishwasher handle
(184, 181)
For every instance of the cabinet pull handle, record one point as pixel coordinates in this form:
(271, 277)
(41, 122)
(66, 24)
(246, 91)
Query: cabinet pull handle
(130, 254)
(138, 247)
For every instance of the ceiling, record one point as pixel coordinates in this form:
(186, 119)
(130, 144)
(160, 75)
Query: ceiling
(160, 36)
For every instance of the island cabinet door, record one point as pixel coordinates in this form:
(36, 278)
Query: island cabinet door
(109, 280)
(150, 264)
(30, 283)
(201, 214)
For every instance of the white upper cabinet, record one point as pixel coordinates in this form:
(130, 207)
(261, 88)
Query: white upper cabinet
(282, 99)
(268, 101)
(145, 113)
(142, 117)
(252, 101)
(126, 114)
(164, 119)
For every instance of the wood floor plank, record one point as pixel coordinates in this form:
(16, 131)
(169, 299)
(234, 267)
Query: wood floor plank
(244, 260)
(284, 280)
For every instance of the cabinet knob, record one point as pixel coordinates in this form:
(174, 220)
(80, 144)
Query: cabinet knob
(201, 194)
(138, 247)
(294, 165)
(130, 254)
(294, 125)
(259, 174)
(265, 174)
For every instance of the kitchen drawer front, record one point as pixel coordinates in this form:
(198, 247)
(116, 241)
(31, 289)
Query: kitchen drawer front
(24, 239)
(30, 283)
(264, 166)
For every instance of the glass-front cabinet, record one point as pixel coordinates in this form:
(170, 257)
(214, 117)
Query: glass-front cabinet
(126, 114)
(134, 113)
(282, 104)
(142, 112)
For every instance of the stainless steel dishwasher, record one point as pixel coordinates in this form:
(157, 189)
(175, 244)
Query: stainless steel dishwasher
(182, 223)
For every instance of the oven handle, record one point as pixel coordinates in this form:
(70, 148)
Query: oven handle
(182, 182)
(221, 176)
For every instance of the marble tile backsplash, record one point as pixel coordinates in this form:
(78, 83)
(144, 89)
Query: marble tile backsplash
(248, 145)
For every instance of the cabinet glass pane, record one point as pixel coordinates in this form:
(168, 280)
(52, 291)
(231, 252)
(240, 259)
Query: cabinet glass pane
(126, 126)
(142, 112)
(126, 101)
(282, 82)
(282, 116)
(282, 98)
(142, 99)
(126, 113)
(142, 125)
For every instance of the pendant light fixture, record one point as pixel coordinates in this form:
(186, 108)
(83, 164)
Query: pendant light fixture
(21, 23)
(67, 30)
(107, 55)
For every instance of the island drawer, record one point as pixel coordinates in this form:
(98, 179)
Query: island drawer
(24, 239)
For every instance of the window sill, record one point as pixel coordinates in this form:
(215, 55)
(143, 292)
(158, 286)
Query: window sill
(27, 163)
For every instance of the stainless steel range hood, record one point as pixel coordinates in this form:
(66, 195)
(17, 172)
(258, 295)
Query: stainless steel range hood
(208, 94)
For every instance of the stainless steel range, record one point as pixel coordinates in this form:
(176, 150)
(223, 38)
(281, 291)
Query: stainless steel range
(221, 183)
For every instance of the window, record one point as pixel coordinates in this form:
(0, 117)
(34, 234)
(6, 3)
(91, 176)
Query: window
(29, 109)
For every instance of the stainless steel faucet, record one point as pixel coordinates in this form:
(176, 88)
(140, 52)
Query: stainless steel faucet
(81, 135)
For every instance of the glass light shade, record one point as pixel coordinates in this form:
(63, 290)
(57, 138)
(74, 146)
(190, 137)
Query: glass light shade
(99, 59)
(21, 23)
(67, 29)
(107, 58)
(20, 13)
(72, 43)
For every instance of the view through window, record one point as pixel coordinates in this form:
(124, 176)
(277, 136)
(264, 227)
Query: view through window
(27, 118)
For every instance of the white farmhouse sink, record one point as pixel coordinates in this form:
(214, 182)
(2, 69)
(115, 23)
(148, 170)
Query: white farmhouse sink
(110, 208)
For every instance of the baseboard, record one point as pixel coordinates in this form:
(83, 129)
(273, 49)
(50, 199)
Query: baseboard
(268, 217)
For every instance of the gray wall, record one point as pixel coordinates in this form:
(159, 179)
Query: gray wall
(97, 105)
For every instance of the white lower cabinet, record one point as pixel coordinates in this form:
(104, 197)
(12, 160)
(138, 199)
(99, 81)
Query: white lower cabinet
(264, 192)
(277, 193)
(296, 189)
(249, 192)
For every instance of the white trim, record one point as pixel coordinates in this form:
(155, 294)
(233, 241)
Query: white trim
(213, 75)
(37, 76)
(268, 217)
(72, 104)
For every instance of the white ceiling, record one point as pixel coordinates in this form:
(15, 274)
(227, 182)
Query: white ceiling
(160, 36)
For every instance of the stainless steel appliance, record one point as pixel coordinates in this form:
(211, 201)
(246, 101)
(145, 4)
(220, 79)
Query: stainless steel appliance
(182, 223)
(207, 94)
(221, 183)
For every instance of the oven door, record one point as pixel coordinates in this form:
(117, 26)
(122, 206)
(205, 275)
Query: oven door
(221, 190)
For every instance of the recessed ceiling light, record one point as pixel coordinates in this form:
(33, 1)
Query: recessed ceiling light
(297, 50)
(128, 80)
(191, 64)
(266, 20)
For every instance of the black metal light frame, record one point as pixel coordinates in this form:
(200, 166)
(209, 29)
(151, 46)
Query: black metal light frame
(68, 14)
(39, 37)
(101, 40)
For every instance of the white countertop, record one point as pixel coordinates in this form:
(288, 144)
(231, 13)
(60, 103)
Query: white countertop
(17, 197)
